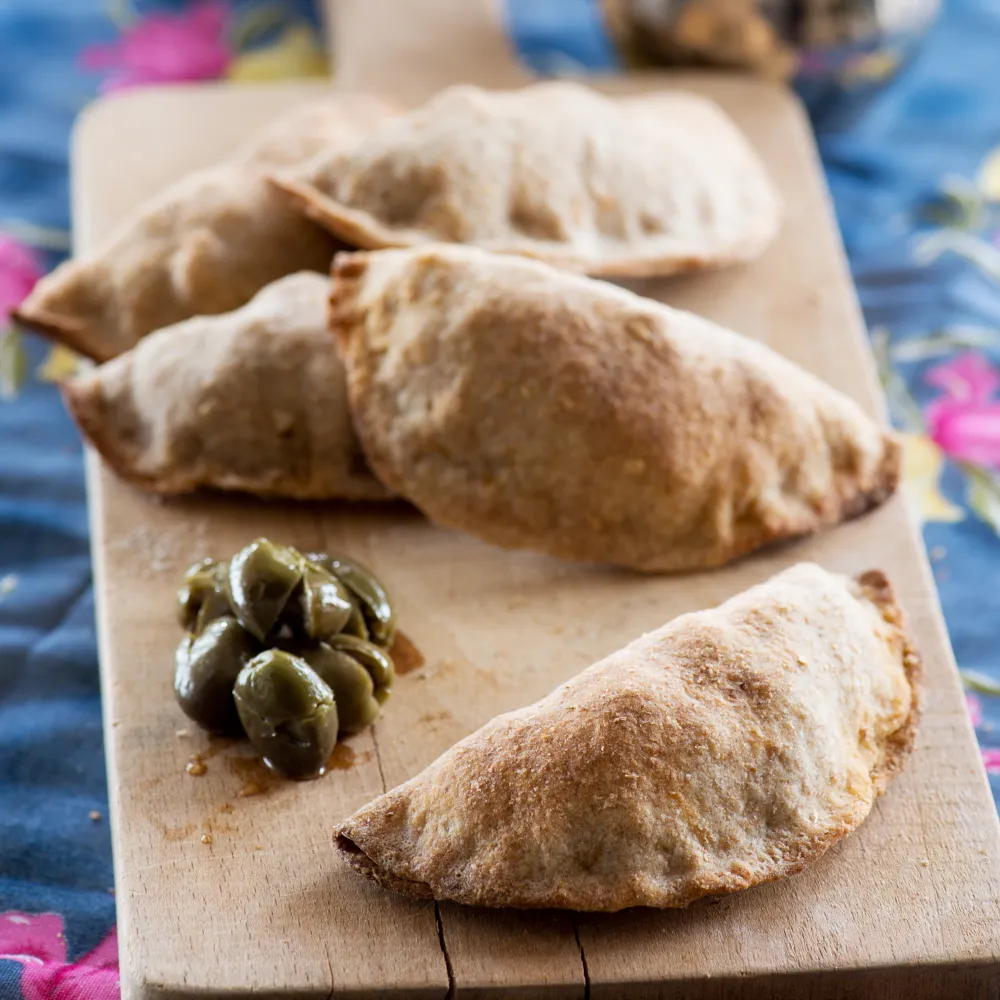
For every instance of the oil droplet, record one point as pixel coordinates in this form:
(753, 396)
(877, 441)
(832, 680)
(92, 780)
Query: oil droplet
(227, 807)
(196, 766)
(95, 815)
(341, 759)
(248, 790)
(206, 838)
(405, 655)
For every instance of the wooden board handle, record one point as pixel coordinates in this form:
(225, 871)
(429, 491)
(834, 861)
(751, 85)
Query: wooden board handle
(409, 52)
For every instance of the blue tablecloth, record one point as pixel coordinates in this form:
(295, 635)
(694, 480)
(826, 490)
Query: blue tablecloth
(918, 197)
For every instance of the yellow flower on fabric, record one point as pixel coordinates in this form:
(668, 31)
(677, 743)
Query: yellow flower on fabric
(872, 66)
(923, 462)
(61, 363)
(297, 53)
(989, 176)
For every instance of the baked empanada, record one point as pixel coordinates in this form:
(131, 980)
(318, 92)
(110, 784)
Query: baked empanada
(728, 748)
(638, 186)
(544, 410)
(205, 245)
(253, 400)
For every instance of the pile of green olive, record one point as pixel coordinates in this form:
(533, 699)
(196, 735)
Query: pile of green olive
(290, 649)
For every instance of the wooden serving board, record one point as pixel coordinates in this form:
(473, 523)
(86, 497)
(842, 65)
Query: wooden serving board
(223, 894)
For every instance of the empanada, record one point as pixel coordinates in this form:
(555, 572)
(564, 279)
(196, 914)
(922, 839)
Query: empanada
(728, 748)
(638, 186)
(544, 410)
(205, 245)
(253, 400)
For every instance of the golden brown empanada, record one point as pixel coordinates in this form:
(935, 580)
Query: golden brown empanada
(638, 186)
(206, 245)
(252, 400)
(728, 748)
(541, 409)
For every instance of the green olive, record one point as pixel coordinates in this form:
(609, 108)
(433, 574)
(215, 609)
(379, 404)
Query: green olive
(320, 605)
(352, 685)
(262, 576)
(355, 625)
(205, 669)
(288, 712)
(202, 595)
(376, 661)
(379, 617)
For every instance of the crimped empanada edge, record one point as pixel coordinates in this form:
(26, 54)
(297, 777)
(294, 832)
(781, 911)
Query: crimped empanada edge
(59, 329)
(359, 229)
(84, 399)
(346, 320)
(84, 405)
(345, 317)
(341, 222)
(877, 589)
(364, 865)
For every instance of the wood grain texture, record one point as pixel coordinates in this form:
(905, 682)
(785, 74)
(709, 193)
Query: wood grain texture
(908, 906)
(436, 43)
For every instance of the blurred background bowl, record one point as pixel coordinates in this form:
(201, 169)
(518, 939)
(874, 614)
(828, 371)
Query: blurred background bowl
(839, 53)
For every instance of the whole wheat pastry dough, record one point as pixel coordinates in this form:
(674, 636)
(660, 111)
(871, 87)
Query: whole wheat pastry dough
(544, 410)
(638, 186)
(728, 748)
(253, 400)
(205, 245)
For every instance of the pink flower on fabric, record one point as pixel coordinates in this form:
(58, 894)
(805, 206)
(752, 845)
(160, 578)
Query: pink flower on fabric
(32, 938)
(165, 48)
(19, 270)
(975, 709)
(991, 760)
(38, 943)
(965, 421)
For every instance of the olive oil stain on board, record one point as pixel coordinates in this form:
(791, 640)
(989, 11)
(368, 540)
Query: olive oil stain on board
(174, 833)
(434, 718)
(253, 772)
(405, 655)
(342, 759)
